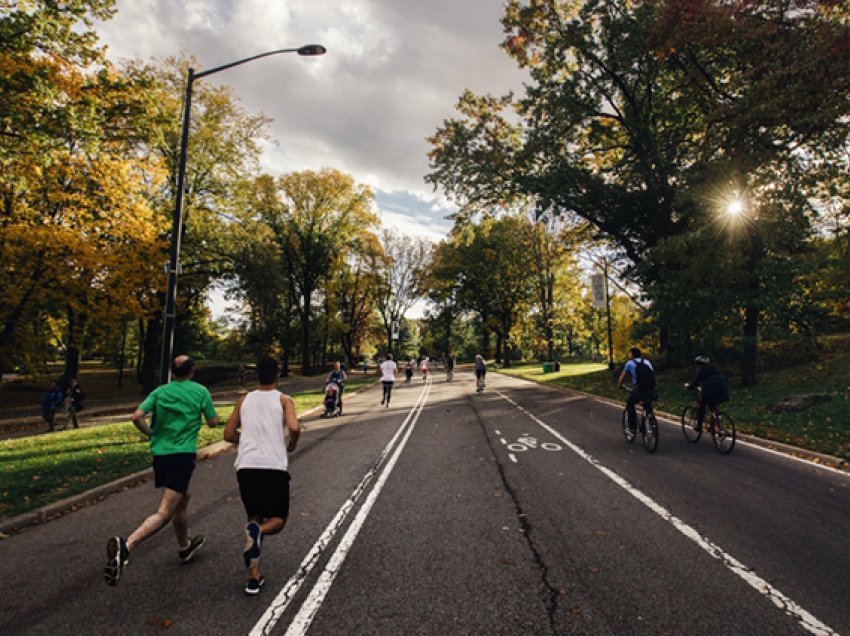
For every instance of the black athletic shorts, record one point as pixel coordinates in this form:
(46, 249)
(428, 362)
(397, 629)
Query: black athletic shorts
(264, 492)
(174, 471)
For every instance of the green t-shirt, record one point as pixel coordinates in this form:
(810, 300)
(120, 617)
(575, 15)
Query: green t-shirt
(177, 408)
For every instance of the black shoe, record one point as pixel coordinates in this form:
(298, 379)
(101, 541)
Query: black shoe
(382, 402)
(117, 558)
(253, 586)
(195, 544)
(253, 540)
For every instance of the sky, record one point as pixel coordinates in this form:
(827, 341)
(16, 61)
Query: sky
(393, 72)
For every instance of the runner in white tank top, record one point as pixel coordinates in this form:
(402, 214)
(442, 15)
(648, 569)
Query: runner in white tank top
(259, 425)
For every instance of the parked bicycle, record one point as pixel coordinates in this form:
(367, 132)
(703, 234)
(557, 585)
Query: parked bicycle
(647, 425)
(720, 425)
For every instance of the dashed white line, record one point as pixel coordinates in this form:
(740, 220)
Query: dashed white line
(803, 617)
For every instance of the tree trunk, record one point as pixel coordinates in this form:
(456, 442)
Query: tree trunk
(752, 311)
(76, 323)
(306, 362)
(140, 351)
(152, 353)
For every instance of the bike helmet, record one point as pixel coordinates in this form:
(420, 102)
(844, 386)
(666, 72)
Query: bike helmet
(702, 360)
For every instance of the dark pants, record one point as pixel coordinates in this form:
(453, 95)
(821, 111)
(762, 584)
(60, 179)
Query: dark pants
(638, 395)
(388, 390)
(713, 394)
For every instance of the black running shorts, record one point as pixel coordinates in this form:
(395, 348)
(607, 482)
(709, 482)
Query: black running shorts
(264, 492)
(174, 471)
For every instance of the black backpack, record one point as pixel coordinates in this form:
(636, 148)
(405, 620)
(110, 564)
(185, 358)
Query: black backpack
(645, 375)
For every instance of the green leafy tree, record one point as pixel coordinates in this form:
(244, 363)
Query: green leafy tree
(322, 215)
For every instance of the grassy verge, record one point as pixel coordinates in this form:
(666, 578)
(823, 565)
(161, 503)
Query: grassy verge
(823, 428)
(43, 469)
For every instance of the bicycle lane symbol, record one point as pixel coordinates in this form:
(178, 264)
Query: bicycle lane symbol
(525, 443)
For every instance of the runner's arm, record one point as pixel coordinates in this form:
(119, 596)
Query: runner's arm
(231, 432)
(139, 422)
(290, 418)
(622, 378)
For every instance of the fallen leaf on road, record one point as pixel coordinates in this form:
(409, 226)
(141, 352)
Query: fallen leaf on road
(576, 610)
(562, 592)
(600, 533)
(593, 569)
(305, 514)
(167, 623)
(156, 622)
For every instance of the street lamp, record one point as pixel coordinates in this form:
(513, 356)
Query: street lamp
(177, 224)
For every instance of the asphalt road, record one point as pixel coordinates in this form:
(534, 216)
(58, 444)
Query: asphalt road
(520, 510)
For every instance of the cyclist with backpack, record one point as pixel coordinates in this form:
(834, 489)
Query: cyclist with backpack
(714, 387)
(644, 388)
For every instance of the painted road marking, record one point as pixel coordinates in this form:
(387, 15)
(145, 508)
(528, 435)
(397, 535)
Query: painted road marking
(281, 602)
(301, 623)
(805, 618)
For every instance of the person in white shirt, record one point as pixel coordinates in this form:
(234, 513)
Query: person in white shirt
(388, 370)
(259, 424)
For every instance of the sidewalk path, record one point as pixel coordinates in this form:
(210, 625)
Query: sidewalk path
(20, 422)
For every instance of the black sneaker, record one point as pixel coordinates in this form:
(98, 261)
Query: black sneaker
(253, 540)
(195, 544)
(253, 586)
(117, 558)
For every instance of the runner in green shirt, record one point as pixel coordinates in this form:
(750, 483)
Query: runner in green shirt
(177, 408)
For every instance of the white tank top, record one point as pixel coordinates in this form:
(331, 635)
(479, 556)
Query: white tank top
(262, 440)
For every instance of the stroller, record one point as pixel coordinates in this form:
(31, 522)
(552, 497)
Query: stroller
(332, 405)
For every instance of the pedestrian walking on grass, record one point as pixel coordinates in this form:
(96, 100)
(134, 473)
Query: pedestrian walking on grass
(260, 424)
(177, 408)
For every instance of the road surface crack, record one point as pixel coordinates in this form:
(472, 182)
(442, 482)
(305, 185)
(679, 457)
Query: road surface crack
(550, 593)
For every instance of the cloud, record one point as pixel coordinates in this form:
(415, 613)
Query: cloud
(392, 74)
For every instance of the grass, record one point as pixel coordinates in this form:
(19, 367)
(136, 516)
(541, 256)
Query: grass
(43, 469)
(823, 428)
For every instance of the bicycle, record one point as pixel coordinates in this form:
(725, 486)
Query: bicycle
(645, 416)
(720, 425)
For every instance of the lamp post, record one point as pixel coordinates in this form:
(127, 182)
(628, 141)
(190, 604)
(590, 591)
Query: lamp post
(177, 222)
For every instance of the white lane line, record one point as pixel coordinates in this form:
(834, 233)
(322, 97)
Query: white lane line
(503, 440)
(513, 458)
(497, 431)
(301, 623)
(281, 602)
(806, 619)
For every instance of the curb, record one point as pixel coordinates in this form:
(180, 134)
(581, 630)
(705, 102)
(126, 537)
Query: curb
(813, 457)
(71, 504)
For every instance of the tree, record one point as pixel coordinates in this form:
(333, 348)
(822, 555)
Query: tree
(352, 289)
(322, 214)
(403, 272)
(490, 263)
(74, 194)
(638, 115)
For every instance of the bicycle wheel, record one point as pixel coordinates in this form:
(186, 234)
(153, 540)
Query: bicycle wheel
(690, 429)
(650, 433)
(723, 434)
(627, 432)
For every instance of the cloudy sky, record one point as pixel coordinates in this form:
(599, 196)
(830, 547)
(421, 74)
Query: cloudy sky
(393, 72)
